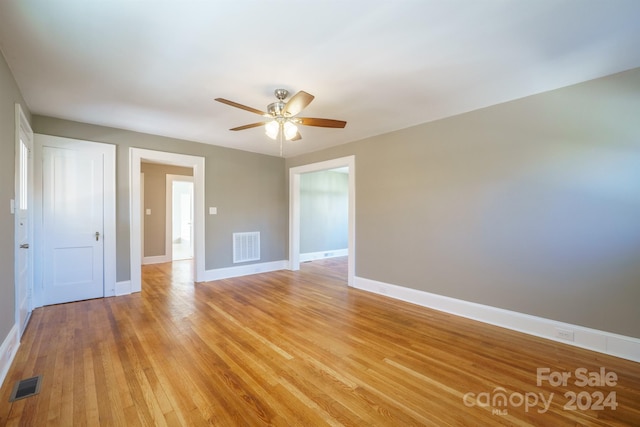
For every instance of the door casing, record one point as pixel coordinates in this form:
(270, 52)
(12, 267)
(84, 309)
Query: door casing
(23, 221)
(197, 163)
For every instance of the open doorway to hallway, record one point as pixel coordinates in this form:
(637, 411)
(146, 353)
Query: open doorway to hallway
(140, 212)
(167, 201)
(298, 191)
(324, 214)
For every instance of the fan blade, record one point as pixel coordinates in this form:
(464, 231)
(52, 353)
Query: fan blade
(297, 137)
(242, 107)
(252, 125)
(324, 123)
(297, 103)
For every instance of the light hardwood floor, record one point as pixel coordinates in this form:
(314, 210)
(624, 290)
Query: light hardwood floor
(294, 348)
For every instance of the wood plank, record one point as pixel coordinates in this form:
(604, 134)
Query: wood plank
(292, 348)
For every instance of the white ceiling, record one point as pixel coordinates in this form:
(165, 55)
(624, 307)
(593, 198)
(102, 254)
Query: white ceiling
(155, 66)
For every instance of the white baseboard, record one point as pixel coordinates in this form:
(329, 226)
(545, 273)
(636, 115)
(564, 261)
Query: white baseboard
(591, 339)
(245, 270)
(159, 259)
(123, 288)
(8, 351)
(312, 256)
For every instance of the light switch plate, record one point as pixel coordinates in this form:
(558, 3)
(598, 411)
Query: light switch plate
(213, 210)
(148, 211)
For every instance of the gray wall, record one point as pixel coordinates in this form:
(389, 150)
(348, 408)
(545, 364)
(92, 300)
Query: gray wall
(155, 198)
(324, 208)
(247, 188)
(9, 96)
(531, 205)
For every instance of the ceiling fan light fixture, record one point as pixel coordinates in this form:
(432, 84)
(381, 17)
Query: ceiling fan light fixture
(271, 129)
(281, 118)
(290, 130)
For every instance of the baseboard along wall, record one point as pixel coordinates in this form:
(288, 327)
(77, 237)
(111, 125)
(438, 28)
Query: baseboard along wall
(8, 351)
(245, 270)
(312, 256)
(579, 336)
(159, 259)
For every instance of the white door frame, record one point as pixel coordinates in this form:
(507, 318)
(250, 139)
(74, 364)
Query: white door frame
(294, 210)
(23, 132)
(109, 238)
(137, 156)
(168, 244)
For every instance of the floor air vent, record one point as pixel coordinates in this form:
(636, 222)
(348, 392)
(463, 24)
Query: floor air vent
(246, 246)
(26, 388)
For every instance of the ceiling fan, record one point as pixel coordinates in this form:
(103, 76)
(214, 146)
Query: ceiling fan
(281, 117)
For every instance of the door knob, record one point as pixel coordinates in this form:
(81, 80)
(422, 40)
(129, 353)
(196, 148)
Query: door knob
(97, 235)
(24, 246)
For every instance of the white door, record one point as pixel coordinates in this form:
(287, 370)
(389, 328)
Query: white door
(23, 212)
(73, 223)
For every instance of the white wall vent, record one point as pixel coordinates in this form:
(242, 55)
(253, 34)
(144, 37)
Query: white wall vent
(246, 246)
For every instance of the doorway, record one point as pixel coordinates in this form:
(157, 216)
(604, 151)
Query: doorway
(294, 210)
(324, 209)
(179, 221)
(139, 155)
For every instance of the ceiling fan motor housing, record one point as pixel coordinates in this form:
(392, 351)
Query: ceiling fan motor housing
(276, 108)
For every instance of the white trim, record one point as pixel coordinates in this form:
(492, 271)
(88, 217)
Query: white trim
(312, 256)
(8, 351)
(591, 339)
(142, 207)
(294, 210)
(123, 288)
(158, 259)
(245, 270)
(109, 238)
(23, 129)
(136, 156)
